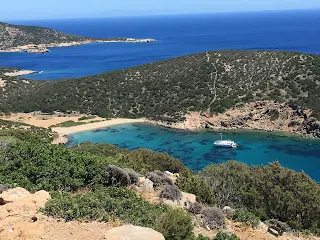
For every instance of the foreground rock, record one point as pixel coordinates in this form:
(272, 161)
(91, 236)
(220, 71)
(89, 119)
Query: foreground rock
(130, 232)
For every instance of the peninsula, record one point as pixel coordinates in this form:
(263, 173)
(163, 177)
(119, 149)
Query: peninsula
(32, 39)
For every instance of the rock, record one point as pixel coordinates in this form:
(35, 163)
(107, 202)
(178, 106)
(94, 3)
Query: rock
(144, 185)
(130, 232)
(172, 176)
(261, 225)
(273, 232)
(14, 194)
(227, 209)
(186, 200)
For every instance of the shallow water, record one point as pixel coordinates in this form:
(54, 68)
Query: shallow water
(196, 150)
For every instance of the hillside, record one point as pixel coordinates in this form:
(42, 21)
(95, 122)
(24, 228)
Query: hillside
(206, 83)
(35, 39)
(100, 186)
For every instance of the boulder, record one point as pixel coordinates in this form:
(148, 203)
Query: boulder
(14, 194)
(144, 185)
(130, 232)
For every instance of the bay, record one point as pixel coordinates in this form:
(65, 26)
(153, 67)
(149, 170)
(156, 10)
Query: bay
(195, 148)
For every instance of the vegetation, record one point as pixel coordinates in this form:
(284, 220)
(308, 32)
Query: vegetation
(71, 123)
(244, 216)
(96, 178)
(86, 118)
(225, 236)
(171, 192)
(141, 160)
(111, 204)
(267, 191)
(205, 82)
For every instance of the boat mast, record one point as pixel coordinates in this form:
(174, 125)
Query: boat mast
(221, 136)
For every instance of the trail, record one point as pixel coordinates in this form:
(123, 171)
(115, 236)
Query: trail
(214, 82)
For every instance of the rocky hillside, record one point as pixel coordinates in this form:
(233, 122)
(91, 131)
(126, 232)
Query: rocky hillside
(207, 83)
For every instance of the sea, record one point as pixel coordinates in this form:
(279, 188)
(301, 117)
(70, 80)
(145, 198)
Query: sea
(178, 35)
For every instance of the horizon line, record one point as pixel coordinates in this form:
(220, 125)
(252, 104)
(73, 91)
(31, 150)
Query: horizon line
(172, 14)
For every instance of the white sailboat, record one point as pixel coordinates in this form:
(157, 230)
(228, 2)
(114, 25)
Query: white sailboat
(224, 143)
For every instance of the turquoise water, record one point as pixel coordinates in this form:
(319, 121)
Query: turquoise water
(195, 148)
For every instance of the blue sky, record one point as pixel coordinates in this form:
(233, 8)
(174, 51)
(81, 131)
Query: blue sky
(47, 9)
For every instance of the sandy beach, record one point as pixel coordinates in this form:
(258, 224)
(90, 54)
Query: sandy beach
(65, 131)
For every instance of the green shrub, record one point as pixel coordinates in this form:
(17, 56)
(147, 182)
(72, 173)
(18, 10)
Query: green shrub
(268, 192)
(225, 236)
(175, 225)
(193, 184)
(42, 166)
(244, 216)
(86, 118)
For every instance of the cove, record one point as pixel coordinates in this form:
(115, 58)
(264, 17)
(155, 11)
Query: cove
(195, 148)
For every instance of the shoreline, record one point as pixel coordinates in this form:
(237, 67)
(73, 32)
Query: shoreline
(44, 48)
(63, 132)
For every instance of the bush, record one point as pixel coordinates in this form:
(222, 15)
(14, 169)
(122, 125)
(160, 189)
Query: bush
(121, 177)
(171, 192)
(213, 218)
(42, 166)
(195, 208)
(175, 225)
(104, 204)
(268, 192)
(225, 236)
(193, 184)
(244, 216)
(159, 179)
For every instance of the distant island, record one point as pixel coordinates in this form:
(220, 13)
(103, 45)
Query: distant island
(32, 39)
(260, 90)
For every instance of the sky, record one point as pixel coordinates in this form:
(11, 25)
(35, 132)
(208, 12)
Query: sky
(57, 9)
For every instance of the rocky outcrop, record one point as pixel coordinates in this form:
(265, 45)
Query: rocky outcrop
(130, 232)
(260, 115)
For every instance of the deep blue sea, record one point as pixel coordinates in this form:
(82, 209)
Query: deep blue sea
(176, 36)
(195, 148)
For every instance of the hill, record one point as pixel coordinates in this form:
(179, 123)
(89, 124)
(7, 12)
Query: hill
(206, 83)
(35, 39)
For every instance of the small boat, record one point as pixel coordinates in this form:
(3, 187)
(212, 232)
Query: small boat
(224, 143)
